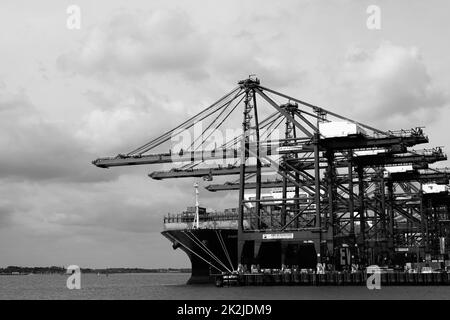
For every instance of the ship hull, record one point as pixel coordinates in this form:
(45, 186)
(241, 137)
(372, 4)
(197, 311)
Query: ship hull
(211, 251)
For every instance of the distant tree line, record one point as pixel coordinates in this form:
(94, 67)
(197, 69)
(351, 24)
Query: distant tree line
(62, 270)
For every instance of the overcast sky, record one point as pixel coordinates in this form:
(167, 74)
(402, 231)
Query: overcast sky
(136, 68)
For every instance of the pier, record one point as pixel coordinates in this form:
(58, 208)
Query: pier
(333, 279)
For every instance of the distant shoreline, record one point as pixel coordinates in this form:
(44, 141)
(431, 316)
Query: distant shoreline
(15, 270)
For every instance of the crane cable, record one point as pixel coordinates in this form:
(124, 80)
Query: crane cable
(223, 120)
(193, 165)
(235, 140)
(192, 119)
(212, 122)
(151, 143)
(156, 142)
(324, 110)
(222, 243)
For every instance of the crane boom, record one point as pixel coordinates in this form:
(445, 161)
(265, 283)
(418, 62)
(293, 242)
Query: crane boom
(187, 156)
(203, 172)
(124, 160)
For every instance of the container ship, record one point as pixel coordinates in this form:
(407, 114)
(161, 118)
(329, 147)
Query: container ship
(316, 190)
(211, 244)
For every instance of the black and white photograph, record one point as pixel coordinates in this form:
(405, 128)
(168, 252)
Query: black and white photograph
(243, 152)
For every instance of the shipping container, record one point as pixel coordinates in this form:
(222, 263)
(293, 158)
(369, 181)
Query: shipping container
(397, 169)
(339, 129)
(434, 188)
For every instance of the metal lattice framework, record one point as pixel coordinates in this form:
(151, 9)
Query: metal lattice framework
(335, 191)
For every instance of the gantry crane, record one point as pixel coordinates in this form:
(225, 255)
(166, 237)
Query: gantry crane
(337, 191)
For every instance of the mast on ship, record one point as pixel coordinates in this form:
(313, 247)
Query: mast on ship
(197, 218)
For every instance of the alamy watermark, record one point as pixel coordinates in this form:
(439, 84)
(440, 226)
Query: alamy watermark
(74, 280)
(73, 21)
(373, 277)
(374, 19)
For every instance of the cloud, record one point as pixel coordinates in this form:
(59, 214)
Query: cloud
(123, 120)
(64, 209)
(167, 42)
(38, 149)
(132, 203)
(141, 73)
(5, 215)
(253, 51)
(389, 86)
(134, 44)
(240, 59)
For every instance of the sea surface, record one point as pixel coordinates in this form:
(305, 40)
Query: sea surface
(168, 286)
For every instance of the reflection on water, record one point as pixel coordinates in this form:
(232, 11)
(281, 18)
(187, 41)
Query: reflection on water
(172, 286)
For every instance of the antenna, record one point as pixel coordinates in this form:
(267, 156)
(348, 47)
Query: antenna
(196, 220)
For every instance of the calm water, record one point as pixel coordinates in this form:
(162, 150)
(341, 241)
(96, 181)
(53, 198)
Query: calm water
(172, 286)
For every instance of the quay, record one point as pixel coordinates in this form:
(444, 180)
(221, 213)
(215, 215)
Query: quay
(332, 279)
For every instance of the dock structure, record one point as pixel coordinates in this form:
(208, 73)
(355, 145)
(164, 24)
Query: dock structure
(333, 278)
(348, 193)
